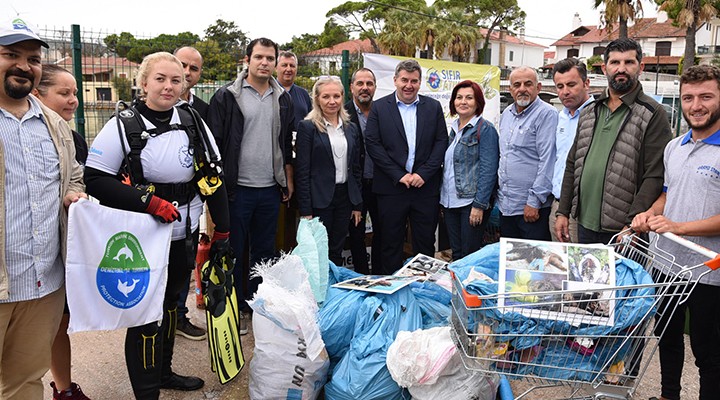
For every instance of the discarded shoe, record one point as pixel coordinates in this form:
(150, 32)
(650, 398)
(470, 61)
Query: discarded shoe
(179, 382)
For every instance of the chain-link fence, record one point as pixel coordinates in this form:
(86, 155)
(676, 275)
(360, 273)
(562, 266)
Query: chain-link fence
(105, 66)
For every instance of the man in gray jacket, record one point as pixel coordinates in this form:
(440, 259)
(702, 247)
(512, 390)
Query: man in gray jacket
(614, 169)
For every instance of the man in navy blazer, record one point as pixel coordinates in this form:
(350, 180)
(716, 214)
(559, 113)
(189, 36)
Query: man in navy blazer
(406, 137)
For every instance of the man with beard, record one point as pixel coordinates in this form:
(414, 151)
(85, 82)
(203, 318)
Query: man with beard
(689, 206)
(527, 153)
(362, 87)
(37, 162)
(614, 169)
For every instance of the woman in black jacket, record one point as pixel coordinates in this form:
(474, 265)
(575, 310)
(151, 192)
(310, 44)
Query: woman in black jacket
(327, 166)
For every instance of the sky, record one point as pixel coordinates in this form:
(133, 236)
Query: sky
(280, 20)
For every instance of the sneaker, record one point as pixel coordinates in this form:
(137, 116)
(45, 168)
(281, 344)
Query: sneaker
(179, 382)
(243, 329)
(72, 393)
(187, 330)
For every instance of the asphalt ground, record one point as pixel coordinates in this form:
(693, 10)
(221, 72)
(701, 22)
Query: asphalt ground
(99, 368)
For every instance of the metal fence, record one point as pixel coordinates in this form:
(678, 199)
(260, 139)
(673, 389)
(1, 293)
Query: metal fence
(104, 76)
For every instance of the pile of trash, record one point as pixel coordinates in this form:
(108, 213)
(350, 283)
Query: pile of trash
(312, 338)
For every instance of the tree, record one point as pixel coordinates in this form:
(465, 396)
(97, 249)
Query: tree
(123, 87)
(621, 11)
(368, 17)
(230, 39)
(399, 36)
(490, 14)
(331, 35)
(456, 35)
(126, 45)
(217, 65)
(689, 14)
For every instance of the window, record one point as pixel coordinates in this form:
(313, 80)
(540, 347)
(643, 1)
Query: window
(103, 94)
(662, 48)
(511, 55)
(599, 50)
(708, 26)
(573, 53)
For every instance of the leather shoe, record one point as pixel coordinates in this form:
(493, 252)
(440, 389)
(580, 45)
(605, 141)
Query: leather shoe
(179, 382)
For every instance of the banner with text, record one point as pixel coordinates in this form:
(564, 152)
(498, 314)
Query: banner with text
(439, 77)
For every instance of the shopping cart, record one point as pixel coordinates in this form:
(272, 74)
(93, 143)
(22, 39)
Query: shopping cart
(578, 357)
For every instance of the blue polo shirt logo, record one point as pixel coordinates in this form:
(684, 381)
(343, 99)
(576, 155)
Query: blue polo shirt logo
(708, 170)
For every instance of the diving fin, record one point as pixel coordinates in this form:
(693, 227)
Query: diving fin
(222, 313)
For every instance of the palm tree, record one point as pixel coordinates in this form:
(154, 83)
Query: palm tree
(689, 14)
(456, 35)
(400, 35)
(621, 11)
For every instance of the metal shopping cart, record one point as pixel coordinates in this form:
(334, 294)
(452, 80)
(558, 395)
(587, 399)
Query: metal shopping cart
(562, 348)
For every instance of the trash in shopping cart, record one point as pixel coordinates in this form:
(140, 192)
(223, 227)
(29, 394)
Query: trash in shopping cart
(499, 337)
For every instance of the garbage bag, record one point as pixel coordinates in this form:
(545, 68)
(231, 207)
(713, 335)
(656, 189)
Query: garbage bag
(312, 247)
(420, 357)
(289, 359)
(434, 302)
(458, 383)
(362, 372)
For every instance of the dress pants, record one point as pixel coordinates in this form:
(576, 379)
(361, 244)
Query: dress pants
(335, 218)
(396, 211)
(357, 233)
(514, 226)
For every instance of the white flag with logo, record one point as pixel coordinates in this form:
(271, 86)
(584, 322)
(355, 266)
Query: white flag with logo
(116, 269)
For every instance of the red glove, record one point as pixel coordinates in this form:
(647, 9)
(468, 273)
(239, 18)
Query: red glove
(162, 210)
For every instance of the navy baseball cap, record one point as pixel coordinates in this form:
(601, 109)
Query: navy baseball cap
(16, 31)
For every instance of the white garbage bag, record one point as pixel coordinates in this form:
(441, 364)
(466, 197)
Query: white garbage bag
(289, 359)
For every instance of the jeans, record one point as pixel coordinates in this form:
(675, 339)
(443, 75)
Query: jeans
(464, 238)
(253, 217)
(514, 226)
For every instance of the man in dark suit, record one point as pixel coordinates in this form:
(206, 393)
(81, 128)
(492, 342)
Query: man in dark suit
(362, 86)
(406, 137)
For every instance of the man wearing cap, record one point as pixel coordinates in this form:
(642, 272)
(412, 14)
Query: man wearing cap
(39, 159)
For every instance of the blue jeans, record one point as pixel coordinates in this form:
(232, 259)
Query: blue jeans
(253, 220)
(464, 238)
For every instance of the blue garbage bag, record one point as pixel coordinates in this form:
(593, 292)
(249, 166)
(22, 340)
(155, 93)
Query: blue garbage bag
(312, 247)
(434, 302)
(362, 372)
(338, 314)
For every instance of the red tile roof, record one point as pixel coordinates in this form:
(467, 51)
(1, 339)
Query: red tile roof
(643, 28)
(353, 46)
(548, 54)
(510, 38)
